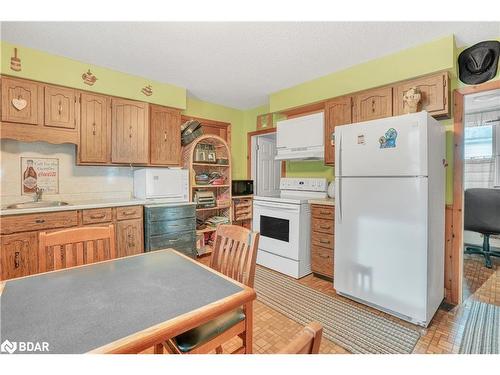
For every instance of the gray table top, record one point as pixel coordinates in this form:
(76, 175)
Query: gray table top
(80, 309)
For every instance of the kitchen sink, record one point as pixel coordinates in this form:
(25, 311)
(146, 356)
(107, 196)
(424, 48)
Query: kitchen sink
(37, 204)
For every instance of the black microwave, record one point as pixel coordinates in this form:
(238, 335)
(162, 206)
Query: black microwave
(242, 187)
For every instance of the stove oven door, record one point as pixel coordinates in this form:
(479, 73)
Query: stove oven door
(278, 224)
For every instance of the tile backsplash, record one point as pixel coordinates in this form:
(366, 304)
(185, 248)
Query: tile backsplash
(75, 182)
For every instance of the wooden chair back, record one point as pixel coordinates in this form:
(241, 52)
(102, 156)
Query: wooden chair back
(235, 253)
(306, 342)
(75, 247)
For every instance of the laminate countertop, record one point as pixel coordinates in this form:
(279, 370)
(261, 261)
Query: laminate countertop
(324, 202)
(85, 205)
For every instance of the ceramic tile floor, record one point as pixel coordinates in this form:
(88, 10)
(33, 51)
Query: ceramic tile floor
(272, 330)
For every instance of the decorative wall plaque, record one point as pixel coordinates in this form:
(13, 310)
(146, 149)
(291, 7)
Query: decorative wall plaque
(39, 173)
(147, 90)
(15, 62)
(89, 78)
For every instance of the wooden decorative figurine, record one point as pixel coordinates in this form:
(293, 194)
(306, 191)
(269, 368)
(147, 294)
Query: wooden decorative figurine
(148, 90)
(15, 62)
(89, 78)
(411, 99)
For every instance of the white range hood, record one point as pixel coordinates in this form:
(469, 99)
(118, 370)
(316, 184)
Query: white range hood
(301, 138)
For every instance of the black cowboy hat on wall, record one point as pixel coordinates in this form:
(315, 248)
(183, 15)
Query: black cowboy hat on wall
(478, 64)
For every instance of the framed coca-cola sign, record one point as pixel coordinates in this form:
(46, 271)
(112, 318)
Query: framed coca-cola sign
(39, 173)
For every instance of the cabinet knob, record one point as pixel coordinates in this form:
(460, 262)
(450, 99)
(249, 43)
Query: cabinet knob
(17, 261)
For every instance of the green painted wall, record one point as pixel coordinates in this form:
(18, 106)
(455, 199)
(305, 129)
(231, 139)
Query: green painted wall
(420, 60)
(45, 67)
(199, 108)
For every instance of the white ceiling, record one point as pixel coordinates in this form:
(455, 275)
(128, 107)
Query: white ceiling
(235, 64)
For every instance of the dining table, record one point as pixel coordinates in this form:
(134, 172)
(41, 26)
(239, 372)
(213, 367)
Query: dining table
(124, 305)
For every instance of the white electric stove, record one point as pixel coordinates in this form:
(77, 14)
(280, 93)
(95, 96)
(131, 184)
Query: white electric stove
(284, 223)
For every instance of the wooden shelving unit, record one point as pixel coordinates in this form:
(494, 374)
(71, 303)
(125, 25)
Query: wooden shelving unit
(222, 192)
(243, 210)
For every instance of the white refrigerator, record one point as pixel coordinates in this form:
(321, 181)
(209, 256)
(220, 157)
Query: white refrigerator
(389, 214)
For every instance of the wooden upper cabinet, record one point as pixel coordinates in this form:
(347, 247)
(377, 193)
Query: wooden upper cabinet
(22, 101)
(60, 107)
(129, 129)
(164, 135)
(18, 255)
(435, 91)
(373, 104)
(337, 112)
(95, 129)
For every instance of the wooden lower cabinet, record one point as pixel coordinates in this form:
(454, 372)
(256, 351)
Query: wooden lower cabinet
(322, 240)
(129, 237)
(19, 234)
(18, 255)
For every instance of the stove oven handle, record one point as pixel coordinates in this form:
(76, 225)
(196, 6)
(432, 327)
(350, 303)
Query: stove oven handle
(271, 205)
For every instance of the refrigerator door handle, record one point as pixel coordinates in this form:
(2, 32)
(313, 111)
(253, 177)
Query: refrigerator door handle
(339, 197)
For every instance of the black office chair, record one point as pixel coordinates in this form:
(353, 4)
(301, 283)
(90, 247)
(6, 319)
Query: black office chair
(482, 215)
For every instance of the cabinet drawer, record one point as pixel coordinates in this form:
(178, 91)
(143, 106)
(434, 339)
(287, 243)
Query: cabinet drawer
(322, 239)
(131, 212)
(322, 212)
(170, 213)
(98, 215)
(41, 221)
(183, 241)
(322, 261)
(322, 225)
(171, 226)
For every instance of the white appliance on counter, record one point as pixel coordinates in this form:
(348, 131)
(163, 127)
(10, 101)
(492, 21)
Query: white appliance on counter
(389, 215)
(284, 223)
(162, 184)
(301, 138)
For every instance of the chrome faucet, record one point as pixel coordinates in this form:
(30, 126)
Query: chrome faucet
(38, 195)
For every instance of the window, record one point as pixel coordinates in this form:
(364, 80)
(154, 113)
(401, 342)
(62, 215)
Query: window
(478, 142)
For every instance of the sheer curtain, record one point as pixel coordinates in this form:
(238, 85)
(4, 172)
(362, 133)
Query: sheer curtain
(481, 160)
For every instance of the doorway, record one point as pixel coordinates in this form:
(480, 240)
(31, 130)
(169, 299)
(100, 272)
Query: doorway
(481, 170)
(265, 170)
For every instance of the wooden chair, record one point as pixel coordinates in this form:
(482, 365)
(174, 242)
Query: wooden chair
(75, 247)
(234, 255)
(306, 342)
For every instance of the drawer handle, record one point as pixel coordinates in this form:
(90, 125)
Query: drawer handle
(324, 212)
(100, 216)
(323, 256)
(60, 108)
(17, 262)
(324, 241)
(128, 213)
(325, 226)
(40, 221)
